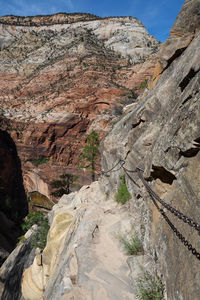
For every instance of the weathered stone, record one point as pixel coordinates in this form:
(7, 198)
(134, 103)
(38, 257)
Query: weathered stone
(83, 257)
(39, 202)
(3, 255)
(12, 269)
(186, 26)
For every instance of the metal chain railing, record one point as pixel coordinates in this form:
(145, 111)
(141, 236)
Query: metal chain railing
(174, 211)
(171, 209)
(122, 162)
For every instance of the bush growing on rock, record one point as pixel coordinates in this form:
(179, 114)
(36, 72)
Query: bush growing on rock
(41, 160)
(32, 219)
(122, 194)
(149, 287)
(63, 185)
(132, 245)
(40, 235)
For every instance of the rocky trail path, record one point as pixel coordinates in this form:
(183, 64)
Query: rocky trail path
(84, 258)
(99, 268)
(109, 276)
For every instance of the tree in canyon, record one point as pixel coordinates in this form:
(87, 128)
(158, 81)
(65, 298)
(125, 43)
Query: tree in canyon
(90, 153)
(63, 185)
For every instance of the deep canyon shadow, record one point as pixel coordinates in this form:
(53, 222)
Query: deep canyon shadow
(13, 203)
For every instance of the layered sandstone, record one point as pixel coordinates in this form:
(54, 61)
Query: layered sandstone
(83, 258)
(46, 20)
(62, 76)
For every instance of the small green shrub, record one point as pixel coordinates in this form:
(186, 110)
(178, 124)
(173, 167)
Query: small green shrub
(32, 219)
(40, 236)
(132, 245)
(143, 85)
(149, 287)
(21, 239)
(41, 160)
(122, 194)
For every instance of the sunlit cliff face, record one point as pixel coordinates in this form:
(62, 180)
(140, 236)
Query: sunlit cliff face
(63, 76)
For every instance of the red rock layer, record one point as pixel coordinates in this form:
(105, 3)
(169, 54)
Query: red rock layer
(54, 94)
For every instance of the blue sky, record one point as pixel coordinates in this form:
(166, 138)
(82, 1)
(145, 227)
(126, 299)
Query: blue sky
(157, 15)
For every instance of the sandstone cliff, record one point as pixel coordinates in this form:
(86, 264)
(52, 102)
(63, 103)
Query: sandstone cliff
(83, 258)
(161, 135)
(62, 76)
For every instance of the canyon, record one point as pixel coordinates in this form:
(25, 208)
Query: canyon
(63, 76)
(66, 75)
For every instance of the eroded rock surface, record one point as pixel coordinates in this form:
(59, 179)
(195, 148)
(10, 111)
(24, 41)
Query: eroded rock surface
(83, 258)
(12, 269)
(183, 31)
(161, 135)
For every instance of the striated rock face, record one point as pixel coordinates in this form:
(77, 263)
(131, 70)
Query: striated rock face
(83, 258)
(62, 76)
(12, 269)
(59, 18)
(182, 33)
(161, 135)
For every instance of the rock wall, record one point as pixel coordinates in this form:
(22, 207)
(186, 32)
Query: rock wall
(161, 135)
(13, 203)
(12, 269)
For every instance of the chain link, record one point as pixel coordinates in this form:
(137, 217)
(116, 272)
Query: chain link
(180, 236)
(126, 172)
(174, 211)
(112, 169)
